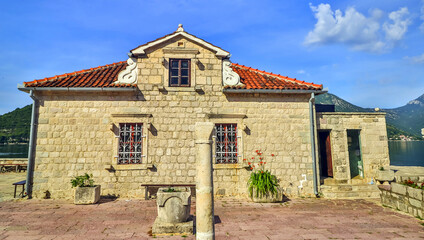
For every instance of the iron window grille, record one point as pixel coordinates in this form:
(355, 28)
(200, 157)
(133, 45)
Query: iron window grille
(179, 72)
(226, 148)
(130, 143)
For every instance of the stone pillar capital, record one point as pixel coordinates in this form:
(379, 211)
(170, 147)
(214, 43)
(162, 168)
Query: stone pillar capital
(203, 131)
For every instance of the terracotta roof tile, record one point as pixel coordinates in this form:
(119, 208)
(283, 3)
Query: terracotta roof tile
(102, 76)
(105, 76)
(256, 79)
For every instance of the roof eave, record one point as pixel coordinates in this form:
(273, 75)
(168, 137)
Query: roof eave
(296, 91)
(78, 89)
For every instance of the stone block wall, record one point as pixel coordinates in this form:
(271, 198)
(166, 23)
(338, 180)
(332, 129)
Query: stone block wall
(373, 139)
(403, 198)
(76, 132)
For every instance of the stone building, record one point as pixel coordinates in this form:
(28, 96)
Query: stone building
(132, 123)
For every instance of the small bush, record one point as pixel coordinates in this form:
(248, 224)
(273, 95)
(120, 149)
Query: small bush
(83, 181)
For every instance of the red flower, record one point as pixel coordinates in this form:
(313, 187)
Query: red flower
(248, 163)
(272, 155)
(244, 159)
(264, 162)
(262, 171)
(260, 158)
(253, 157)
(260, 154)
(261, 162)
(251, 168)
(257, 150)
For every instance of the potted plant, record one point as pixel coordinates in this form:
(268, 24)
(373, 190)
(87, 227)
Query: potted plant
(384, 175)
(263, 186)
(85, 190)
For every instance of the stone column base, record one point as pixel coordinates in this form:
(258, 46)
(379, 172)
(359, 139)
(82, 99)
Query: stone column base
(162, 228)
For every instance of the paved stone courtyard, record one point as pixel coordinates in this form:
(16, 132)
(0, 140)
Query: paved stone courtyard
(235, 219)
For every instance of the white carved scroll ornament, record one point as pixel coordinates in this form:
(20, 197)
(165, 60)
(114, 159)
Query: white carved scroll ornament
(229, 77)
(129, 74)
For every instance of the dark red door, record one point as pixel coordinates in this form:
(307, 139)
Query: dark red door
(328, 153)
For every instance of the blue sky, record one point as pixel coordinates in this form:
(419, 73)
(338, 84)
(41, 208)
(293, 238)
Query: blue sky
(370, 53)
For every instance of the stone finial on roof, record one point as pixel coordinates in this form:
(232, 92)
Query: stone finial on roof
(180, 28)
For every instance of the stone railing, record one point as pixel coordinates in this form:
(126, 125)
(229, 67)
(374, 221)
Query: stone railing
(403, 198)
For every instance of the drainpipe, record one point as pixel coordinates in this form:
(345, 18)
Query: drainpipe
(313, 142)
(30, 167)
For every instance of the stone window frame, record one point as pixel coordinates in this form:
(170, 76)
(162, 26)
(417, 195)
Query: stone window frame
(179, 72)
(134, 129)
(145, 120)
(179, 53)
(236, 143)
(230, 119)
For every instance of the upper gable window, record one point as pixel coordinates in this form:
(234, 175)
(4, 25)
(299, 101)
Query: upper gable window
(179, 72)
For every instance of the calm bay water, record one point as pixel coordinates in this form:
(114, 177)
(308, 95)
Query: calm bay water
(402, 153)
(406, 153)
(14, 151)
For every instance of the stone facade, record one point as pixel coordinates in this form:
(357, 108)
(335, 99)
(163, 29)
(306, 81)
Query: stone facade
(373, 141)
(77, 131)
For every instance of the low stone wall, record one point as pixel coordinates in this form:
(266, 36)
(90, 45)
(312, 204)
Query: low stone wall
(403, 198)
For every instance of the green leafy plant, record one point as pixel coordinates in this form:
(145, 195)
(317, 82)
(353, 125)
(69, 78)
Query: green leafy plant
(83, 181)
(262, 181)
(170, 189)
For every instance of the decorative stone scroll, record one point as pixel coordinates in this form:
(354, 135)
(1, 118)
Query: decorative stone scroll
(229, 77)
(129, 74)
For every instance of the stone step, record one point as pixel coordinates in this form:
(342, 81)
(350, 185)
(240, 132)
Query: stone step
(332, 181)
(351, 195)
(350, 191)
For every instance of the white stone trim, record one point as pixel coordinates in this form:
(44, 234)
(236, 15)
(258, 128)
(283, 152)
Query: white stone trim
(229, 77)
(129, 74)
(219, 51)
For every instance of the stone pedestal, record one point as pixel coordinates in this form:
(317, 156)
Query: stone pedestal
(173, 211)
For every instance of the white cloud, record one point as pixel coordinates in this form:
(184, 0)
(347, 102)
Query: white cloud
(301, 71)
(395, 31)
(416, 59)
(356, 30)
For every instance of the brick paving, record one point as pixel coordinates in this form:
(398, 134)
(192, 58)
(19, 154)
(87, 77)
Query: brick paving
(236, 219)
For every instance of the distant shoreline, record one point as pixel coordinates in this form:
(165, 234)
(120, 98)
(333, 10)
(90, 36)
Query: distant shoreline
(405, 141)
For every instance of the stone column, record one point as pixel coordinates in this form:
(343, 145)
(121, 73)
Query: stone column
(205, 229)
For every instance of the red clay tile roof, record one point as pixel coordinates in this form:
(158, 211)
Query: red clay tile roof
(102, 76)
(257, 79)
(105, 76)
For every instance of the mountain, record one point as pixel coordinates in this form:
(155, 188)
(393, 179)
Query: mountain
(15, 125)
(407, 120)
(340, 104)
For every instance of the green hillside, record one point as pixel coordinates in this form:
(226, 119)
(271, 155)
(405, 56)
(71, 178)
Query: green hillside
(406, 120)
(15, 125)
(409, 118)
